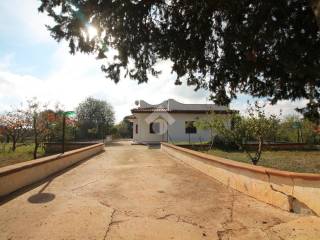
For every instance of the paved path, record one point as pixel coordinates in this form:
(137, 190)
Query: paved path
(131, 192)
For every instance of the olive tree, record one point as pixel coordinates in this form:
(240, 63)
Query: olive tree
(257, 126)
(210, 123)
(260, 127)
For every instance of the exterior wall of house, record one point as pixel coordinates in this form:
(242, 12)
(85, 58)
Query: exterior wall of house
(144, 135)
(177, 131)
(176, 128)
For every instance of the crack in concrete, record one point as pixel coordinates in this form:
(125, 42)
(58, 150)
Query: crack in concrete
(232, 205)
(179, 219)
(289, 197)
(124, 212)
(226, 231)
(224, 234)
(165, 216)
(84, 185)
(230, 219)
(132, 215)
(110, 224)
(295, 205)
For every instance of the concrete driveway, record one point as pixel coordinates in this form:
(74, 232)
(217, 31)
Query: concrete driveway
(132, 192)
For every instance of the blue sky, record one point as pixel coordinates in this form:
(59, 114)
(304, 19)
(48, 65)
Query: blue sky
(32, 64)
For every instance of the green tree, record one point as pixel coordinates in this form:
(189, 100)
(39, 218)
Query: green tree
(39, 116)
(257, 126)
(124, 129)
(260, 127)
(311, 112)
(55, 118)
(232, 128)
(95, 118)
(295, 129)
(210, 123)
(263, 48)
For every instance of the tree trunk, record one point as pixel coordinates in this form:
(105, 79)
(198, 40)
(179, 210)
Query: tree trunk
(14, 144)
(257, 157)
(35, 150)
(211, 137)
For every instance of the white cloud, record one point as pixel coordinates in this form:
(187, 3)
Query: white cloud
(15, 13)
(286, 107)
(73, 78)
(6, 60)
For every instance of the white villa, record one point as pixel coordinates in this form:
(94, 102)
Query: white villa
(171, 121)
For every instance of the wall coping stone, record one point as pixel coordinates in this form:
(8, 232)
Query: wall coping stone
(245, 166)
(29, 164)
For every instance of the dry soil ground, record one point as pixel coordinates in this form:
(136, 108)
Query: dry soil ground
(132, 192)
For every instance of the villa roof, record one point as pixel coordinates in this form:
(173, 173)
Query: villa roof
(173, 106)
(130, 118)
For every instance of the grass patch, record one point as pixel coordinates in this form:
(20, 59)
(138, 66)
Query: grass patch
(294, 161)
(21, 154)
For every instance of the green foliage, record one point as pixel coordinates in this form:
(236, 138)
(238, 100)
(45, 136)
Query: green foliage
(123, 129)
(305, 133)
(2, 138)
(221, 125)
(263, 48)
(260, 126)
(311, 112)
(39, 117)
(38, 124)
(95, 118)
(24, 152)
(257, 126)
(207, 123)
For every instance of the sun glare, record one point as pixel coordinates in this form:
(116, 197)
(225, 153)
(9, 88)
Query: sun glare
(92, 31)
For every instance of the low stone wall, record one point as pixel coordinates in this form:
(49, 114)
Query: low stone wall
(16, 176)
(297, 192)
(56, 147)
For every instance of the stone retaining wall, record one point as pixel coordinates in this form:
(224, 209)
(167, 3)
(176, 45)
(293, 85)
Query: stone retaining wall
(297, 192)
(56, 147)
(16, 176)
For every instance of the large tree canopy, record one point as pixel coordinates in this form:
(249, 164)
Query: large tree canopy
(263, 48)
(95, 118)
